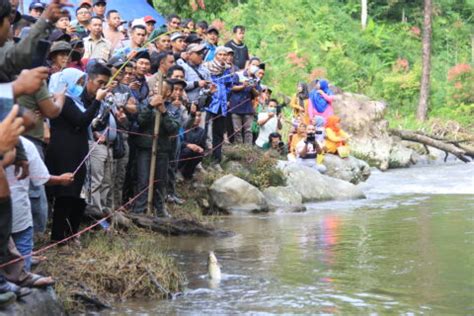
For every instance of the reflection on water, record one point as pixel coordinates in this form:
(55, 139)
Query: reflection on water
(404, 254)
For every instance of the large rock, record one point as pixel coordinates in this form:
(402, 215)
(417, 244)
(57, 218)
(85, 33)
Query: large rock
(313, 186)
(363, 118)
(284, 199)
(348, 169)
(401, 156)
(232, 194)
(39, 302)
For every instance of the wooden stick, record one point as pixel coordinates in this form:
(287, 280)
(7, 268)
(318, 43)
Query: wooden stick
(154, 149)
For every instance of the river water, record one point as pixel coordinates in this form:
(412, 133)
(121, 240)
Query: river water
(408, 249)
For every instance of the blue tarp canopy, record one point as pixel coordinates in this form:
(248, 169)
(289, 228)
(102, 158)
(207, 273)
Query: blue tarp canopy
(128, 9)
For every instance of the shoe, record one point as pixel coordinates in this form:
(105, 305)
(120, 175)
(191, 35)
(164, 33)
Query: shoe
(19, 291)
(163, 213)
(173, 198)
(7, 298)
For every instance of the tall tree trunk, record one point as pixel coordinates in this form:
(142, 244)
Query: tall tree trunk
(425, 77)
(363, 14)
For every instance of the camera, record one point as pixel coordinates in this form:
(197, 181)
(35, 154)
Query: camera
(311, 138)
(281, 144)
(252, 82)
(101, 121)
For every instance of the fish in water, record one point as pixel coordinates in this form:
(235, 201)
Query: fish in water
(213, 267)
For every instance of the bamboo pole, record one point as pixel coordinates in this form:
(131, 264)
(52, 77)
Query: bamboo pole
(154, 149)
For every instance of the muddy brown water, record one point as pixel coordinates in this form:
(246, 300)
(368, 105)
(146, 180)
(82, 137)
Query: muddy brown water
(406, 250)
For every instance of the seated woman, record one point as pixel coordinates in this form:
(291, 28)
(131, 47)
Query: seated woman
(295, 139)
(300, 101)
(335, 136)
(321, 98)
(308, 149)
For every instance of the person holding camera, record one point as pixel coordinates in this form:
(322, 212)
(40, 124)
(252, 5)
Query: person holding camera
(309, 148)
(275, 143)
(269, 122)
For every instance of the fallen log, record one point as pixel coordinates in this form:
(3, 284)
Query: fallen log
(444, 145)
(176, 227)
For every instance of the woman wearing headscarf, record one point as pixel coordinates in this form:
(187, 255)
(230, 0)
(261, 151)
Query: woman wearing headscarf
(321, 98)
(67, 150)
(300, 101)
(335, 136)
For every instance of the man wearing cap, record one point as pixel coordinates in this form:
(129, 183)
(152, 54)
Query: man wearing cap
(95, 45)
(99, 8)
(139, 87)
(59, 54)
(36, 9)
(212, 38)
(196, 75)
(178, 44)
(150, 24)
(125, 108)
(111, 32)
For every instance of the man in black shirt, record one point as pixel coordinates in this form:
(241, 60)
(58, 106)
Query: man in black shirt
(241, 53)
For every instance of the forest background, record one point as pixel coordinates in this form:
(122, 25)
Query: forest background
(301, 40)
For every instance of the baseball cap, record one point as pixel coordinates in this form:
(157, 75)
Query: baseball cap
(96, 2)
(37, 5)
(176, 82)
(85, 3)
(193, 39)
(142, 55)
(212, 29)
(228, 50)
(149, 18)
(177, 35)
(116, 61)
(138, 22)
(195, 48)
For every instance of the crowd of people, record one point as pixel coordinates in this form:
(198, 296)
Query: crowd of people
(97, 99)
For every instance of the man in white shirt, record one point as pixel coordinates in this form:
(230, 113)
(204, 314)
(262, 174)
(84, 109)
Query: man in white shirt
(308, 149)
(22, 219)
(269, 122)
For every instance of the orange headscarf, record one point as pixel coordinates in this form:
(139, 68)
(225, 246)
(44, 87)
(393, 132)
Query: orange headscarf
(332, 122)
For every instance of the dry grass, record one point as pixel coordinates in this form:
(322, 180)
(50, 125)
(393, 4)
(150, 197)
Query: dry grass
(112, 267)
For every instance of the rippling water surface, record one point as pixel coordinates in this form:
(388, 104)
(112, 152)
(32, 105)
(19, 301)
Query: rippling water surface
(407, 249)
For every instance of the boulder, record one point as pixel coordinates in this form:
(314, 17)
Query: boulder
(363, 118)
(284, 199)
(235, 168)
(348, 169)
(313, 186)
(232, 194)
(401, 156)
(40, 302)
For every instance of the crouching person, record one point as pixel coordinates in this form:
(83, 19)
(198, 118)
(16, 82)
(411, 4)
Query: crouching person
(192, 148)
(276, 144)
(308, 150)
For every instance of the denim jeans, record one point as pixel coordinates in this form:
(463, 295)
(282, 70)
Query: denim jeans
(24, 243)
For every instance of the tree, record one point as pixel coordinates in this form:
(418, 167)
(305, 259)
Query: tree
(425, 76)
(363, 14)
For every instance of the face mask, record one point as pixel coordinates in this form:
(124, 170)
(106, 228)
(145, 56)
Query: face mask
(253, 69)
(76, 90)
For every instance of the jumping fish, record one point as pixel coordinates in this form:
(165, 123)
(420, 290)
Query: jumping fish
(213, 267)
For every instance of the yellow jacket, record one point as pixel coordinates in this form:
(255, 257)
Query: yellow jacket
(297, 110)
(334, 140)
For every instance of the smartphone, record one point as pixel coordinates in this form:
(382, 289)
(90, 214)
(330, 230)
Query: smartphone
(6, 100)
(42, 50)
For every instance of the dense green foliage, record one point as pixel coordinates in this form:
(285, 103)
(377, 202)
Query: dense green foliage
(305, 39)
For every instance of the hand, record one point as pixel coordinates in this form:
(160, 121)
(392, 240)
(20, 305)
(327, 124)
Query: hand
(66, 179)
(202, 83)
(8, 158)
(101, 94)
(132, 54)
(156, 100)
(47, 133)
(53, 10)
(131, 106)
(177, 102)
(135, 85)
(71, 30)
(22, 169)
(29, 81)
(271, 115)
(195, 148)
(213, 88)
(59, 98)
(112, 85)
(10, 129)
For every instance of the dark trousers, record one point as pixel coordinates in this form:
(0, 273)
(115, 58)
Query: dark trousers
(173, 166)
(5, 227)
(188, 162)
(161, 179)
(67, 215)
(218, 129)
(130, 186)
(229, 127)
